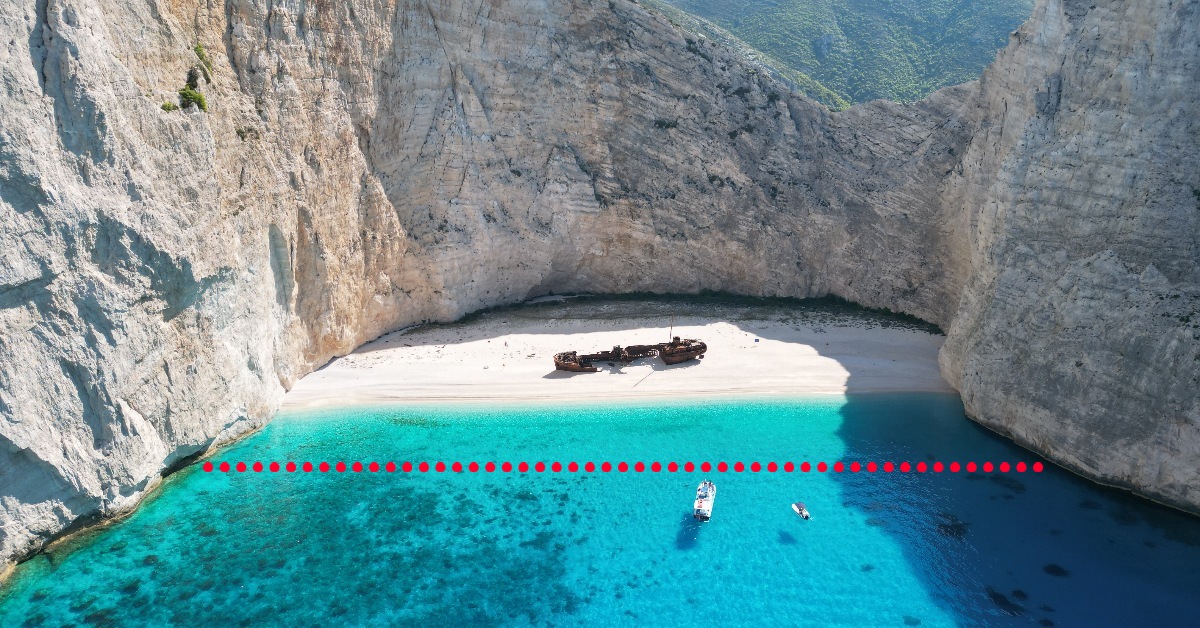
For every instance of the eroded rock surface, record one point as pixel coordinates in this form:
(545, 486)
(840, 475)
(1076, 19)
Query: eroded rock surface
(166, 275)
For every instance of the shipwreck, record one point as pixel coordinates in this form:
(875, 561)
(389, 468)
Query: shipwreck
(674, 352)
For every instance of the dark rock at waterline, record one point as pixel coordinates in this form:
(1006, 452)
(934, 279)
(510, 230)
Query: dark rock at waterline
(1020, 595)
(1056, 570)
(1005, 604)
(909, 620)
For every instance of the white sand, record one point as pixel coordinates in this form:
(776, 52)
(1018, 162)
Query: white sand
(506, 357)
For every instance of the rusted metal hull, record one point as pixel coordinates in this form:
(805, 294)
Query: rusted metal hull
(570, 361)
(673, 352)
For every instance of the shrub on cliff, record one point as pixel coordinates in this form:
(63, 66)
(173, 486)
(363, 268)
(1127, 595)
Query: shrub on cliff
(189, 96)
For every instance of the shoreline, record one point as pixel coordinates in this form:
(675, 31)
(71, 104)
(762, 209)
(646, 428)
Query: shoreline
(505, 357)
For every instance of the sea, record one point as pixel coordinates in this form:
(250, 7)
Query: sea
(572, 547)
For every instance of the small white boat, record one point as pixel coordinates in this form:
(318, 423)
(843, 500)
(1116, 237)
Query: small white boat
(799, 509)
(706, 494)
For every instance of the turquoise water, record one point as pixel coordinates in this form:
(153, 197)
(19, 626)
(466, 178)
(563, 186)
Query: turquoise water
(620, 548)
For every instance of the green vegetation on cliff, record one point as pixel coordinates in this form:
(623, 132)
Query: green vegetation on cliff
(860, 50)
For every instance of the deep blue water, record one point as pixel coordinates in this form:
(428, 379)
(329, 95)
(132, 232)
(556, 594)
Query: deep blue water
(560, 548)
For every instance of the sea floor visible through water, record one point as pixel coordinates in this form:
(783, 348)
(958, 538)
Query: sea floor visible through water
(882, 549)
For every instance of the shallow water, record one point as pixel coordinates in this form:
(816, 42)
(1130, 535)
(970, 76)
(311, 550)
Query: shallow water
(539, 548)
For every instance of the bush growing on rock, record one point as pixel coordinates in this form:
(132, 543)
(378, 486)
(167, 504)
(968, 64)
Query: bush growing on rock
(189, 96)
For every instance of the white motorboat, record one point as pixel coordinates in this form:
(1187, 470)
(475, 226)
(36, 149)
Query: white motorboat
(706, 494)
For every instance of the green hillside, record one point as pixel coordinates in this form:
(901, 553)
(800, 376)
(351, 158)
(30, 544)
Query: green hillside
(861, 50)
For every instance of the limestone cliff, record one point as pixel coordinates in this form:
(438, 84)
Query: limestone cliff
(166, 275)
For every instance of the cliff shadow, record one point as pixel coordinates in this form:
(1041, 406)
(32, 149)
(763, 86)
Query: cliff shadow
(1009, 547)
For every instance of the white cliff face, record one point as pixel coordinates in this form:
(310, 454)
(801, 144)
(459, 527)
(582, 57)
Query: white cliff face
(165, 276)
(1078, 332)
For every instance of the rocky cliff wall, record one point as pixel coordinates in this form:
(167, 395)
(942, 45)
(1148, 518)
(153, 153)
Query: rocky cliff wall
(165, 276)
(1078, 332)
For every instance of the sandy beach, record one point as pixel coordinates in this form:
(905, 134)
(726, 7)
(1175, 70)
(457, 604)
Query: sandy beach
(506, 356)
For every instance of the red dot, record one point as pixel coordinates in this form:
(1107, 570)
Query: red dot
(872, 467)
(291, 467)
(739, 467)
(208, 466)
(938, 467)
(441, 467)
(324, 467)
(639, 467)
(423, 467)
(804, 466)
(888, 467)
(771, 467)
(556, 467)
(789, 467)
(622, 467)
(905, 467)
(922, 467)
(689, 467)
(506, 467)
(1037, 467)
(241, 467)
(755, 467)
(954, 467)
(573, 467)
(838, 466)
(308, 467)
(1021, 467)
(407, 467)
(722, 467)
(490, 467)
(855, 467)
(258, 467)
(655, 467)
(971, 467)
(672, 467)
(357, 467)
(590, 467)
(341, 467)
(705, 467)
(473, 467)
(1004, 467)
(822, 467)
(456, 467)
(523, 467)
(987, 467)
(605, 467)
(539, 467)
(390, 467)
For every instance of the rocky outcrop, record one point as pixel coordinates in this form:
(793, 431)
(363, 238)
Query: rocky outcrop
(166, 275)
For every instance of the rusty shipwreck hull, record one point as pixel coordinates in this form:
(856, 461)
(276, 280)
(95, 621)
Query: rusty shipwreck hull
(674, 352)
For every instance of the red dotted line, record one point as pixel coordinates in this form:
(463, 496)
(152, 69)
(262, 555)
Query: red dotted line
(621, 467)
